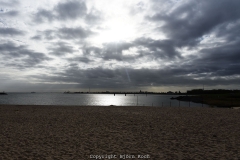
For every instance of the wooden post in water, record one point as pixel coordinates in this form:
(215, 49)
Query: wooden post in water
(137, 100)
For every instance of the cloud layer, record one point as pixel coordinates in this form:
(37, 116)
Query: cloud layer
(120, 45)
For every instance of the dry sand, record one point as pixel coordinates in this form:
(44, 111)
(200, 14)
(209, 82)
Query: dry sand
(61, 132)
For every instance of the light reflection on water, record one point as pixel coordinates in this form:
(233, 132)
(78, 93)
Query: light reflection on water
(92, 99)
(105, 100)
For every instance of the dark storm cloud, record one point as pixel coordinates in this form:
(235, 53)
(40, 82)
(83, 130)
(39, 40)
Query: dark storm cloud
(91, 50)
(10, 32)
(94, 17)
(222, 54)
(146, 47)
(49, 34)
(43, 15)
(164, 49)
(220, 61)
(60, 49)
(37, 37)
(9, 3)
(123, 78)
(9, 47)
(96, 77)
(111, 51)
(20, 56)
(194, 19)
(9, 13)
(77, 33)
(74, 33)
(79, 59)
(216, 64)
(187, 26)
(229, 31)
(69, 10)
(114, 50)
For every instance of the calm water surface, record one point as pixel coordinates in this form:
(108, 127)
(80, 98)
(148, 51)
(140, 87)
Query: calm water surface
(91, 99)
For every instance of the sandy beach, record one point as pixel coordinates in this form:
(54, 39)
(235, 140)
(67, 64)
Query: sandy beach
(92, 132)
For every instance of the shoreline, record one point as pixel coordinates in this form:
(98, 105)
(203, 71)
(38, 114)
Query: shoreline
(210, 100)
(76, 132)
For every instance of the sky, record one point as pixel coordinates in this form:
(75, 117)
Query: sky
(119, 45)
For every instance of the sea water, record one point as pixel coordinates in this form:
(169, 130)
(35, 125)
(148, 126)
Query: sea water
(93, 100)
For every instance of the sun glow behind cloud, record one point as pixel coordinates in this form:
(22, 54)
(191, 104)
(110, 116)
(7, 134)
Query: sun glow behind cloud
(116, 30)
(118, 24)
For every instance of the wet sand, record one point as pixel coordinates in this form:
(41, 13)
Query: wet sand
(64, 132)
